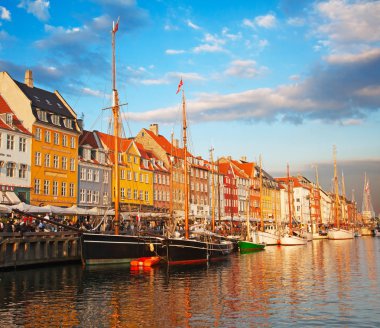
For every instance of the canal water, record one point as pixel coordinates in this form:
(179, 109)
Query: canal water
(326, 283)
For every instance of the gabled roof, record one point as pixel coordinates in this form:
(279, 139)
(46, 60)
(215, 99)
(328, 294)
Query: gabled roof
(109, 141)
(16, 123)
(296, 183)
(46, 100)
(88, 138)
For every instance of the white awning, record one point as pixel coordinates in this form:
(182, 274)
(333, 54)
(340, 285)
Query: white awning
(9, 198)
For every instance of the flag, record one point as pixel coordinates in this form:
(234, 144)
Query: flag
(180, 84)
(115, 26)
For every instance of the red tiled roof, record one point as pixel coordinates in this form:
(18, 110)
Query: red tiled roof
(109, 141)
(88, 138)
(16, 123)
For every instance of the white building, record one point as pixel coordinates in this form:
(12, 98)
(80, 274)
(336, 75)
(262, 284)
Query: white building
(15, 157)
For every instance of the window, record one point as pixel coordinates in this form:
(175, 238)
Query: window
(155, 195)
(55, 119)
(37, 136)
(89, 196)
(135, 194)
(146, 178)
(72, 164)
(46, 187)
(72, 142)
(90, 175)
(147, 195)
(122, 174)
(56, 138)
(136, 160)
(122, 193)
(83, 174)
(37, 158)
(141, 195)
(11, 169)
(64, 140)
(47, 160)
(141, 178)
(105, 198)
(96, 176)
(82, 196)
(22, 144)
(37, 186)
(86, 153)
(10, 142)
(120, 156)
(136, 176)
(68, 123)
(63, 189)
(129, 175)
(55, 188)
(64, 163)
(9, 119)
(71, 190)
(105, 177)
(56, 161)
(96, 197)
(47, 136)
(42, 116)
(22, 171)
(129, 193)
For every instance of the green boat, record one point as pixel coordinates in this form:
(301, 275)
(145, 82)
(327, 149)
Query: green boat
(249, 246)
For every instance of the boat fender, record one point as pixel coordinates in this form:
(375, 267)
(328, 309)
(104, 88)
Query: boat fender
(151, 247)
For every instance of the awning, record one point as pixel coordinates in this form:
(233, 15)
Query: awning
(9, 198)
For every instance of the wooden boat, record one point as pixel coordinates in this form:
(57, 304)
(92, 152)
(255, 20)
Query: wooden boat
(246, 246)
(288, 239)
(201, 247)
(116, 248)
(337, 233)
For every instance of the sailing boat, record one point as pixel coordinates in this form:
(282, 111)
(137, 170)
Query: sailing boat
(367, 209)
(288, 239)
(268, 236)
(251, 242)
(201, 247)
(116, 248)
(337, 233)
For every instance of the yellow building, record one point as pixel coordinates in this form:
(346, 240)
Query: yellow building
(135, 174)
(55, 130)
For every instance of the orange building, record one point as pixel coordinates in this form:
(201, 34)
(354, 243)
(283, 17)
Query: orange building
(55, 130)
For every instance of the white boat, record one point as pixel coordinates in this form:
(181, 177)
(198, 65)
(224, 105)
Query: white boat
(365, 231)
(306, 235)
(268, 238)
(340, 234)
(288, 240)
(317, 236)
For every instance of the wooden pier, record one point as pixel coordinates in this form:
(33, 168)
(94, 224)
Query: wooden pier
(34, 248)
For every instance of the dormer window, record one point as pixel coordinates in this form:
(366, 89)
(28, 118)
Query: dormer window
(68, 123)
(59, 105)
(42, 116)
(145, 163)
(87, 153)
(9, 119)
(55, 119)
(38, 99)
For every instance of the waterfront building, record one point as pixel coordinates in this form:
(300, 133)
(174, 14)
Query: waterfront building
(53, 124)
(326, 207)
(229, 189)
(95, 172)
(15, 155)
(199, 187)
(172, 157)
(216, 191)
(270, 197)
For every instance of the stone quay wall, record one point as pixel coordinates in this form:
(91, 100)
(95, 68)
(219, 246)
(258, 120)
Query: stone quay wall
(38, 248)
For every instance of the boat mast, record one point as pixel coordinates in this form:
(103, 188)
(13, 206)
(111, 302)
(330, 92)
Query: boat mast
(344, 203)
(261, 197)
(336, 191)
(184, 127)
(212, 190)
(318, 207)
(115, 111)
(289, 204)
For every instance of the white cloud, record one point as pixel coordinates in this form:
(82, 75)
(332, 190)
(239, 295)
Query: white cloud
(192, 25)
(211, 43)
(347, 22)
(353, 58)
(95, 93)
(226, 33)
(370, 91)
(174, 52)
(172, 78)
(243, 69)
(352, 121)
(267, 21)
(38, 8)
(5, 13)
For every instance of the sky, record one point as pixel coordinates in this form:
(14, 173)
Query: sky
(285, 79)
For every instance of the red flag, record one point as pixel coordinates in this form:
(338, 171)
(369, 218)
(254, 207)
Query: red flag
(116, 26)
(180, 84)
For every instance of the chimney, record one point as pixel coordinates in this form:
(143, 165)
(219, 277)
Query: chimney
(154, 128)
(176, 143)
(29, 78)
(243, 158)
(229, 158)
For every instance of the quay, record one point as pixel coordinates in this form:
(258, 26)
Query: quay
(38, 248)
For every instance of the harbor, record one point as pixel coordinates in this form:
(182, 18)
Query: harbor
(325, 283)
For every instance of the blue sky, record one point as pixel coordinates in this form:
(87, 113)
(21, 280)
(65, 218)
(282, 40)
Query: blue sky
(285, 79)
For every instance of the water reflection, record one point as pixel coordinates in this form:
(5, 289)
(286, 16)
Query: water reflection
(323, 283)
